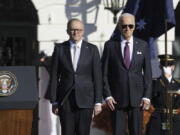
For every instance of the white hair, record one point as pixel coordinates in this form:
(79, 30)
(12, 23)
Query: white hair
(127, 15)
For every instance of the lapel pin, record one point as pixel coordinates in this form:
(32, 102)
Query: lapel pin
(138, 52)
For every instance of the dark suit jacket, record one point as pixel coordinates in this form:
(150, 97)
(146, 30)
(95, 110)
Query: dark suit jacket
(127, 86)
(87, 80)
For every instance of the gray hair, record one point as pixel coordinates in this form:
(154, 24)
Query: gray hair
(72, 20)
(127, 15)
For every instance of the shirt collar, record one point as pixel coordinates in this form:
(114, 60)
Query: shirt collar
(169, 79)
(124, 40)
(79, 44)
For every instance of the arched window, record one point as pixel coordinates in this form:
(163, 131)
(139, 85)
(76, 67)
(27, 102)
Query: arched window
(18, 32)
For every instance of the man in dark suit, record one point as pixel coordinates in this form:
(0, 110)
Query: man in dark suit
(127, 78)
(158, 124)
(76, 81)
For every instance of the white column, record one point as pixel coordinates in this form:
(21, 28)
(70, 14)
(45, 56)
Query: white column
(48, 122)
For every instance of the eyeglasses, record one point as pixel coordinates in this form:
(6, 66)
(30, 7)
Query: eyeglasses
(76, 30)
(131, 26)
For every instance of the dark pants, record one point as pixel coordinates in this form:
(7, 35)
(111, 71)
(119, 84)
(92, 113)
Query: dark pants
(74, 120)
(127, 119)
(154, 126)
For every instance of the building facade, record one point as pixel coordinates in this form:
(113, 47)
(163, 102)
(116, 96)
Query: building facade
(34, 26)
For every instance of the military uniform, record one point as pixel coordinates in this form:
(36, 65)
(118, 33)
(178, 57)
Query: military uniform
(156, 124)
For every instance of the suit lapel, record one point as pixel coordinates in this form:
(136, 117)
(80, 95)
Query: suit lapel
(119, 52)
(68, 55)
(83, 53)
(118, 49)
(135, 49)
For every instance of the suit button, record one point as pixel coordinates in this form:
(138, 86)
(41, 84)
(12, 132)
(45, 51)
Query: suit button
(75, 75)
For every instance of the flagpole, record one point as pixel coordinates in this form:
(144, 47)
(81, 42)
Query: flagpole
(169, 113)
(165, 42)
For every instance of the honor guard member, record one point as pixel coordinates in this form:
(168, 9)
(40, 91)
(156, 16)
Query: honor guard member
(158, 121)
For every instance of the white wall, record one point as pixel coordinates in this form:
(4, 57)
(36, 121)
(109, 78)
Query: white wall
(54, 14)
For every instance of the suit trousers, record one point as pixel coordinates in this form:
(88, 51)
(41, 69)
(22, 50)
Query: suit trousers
(127, 120)
(74, 120)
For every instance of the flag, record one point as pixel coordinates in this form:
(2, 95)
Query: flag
(150, 20)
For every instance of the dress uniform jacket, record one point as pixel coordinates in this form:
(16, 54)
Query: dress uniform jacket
(156, 124)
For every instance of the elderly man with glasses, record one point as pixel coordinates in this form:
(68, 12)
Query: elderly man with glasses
(127, 78)
(76, 81)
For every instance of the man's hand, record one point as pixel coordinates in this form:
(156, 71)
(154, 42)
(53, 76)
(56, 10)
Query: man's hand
(97, 109)
(110, 102)
(145, 104)
(55, 110)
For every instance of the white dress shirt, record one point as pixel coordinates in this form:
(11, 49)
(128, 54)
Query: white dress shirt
(123, 44)
(75, 49)
(169, 79)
